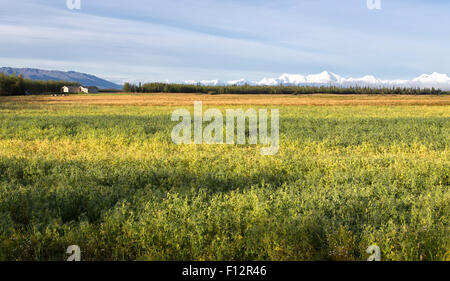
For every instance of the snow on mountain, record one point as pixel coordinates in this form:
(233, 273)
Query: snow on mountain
(203, 82)
(189, 82)
(322, 78)
(268, 82)
(291, 79)
(325, 78)
(434, 78)
(369, 79)
(212, 82)
(240, 82)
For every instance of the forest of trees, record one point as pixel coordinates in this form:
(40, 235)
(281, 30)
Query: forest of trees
(295, 90)
(17, 85)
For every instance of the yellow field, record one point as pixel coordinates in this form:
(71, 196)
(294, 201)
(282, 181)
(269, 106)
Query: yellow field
(102, 172)
(188, 99)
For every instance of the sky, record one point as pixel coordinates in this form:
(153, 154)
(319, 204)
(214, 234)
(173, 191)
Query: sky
(175, 40)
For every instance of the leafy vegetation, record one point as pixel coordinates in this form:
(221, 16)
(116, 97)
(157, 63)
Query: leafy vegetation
(17, 85)
(109, 179)
(295, 90)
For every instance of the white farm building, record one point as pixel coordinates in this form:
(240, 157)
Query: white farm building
(80, 89)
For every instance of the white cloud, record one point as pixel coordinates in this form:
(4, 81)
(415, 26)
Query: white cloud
(189, 39)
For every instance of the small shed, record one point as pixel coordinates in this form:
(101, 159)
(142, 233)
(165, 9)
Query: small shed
(88, 89)
(70, 89)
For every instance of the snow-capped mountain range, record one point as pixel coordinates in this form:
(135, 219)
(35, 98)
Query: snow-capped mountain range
(436, 80)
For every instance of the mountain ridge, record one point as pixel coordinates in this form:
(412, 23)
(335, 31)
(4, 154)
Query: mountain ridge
(325, 78)
(69, 76)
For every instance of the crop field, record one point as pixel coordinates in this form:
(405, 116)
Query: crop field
(102, 172)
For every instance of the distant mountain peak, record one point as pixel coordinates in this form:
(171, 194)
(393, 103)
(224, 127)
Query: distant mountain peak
(435, 77)
(69, 76)
(326, 78)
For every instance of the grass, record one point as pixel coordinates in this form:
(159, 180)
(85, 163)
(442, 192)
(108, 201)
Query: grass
(159, 99)
(102, 172)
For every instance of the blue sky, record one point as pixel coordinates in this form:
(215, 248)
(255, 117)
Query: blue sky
(227, 39)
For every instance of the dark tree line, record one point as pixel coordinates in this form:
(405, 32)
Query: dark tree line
(17, 85)
(295, 90)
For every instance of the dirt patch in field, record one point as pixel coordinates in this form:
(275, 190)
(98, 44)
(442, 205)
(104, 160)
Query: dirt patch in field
(188, 99)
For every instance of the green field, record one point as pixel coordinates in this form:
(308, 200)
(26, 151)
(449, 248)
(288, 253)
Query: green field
(109, 179)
